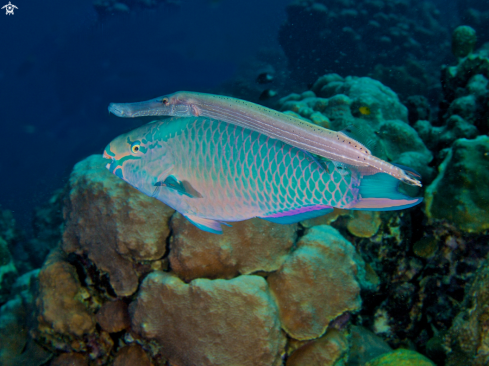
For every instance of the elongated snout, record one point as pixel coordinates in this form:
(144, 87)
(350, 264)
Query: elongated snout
(161, 106)
(153, 107)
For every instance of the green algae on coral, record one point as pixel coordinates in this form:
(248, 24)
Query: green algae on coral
(401, 357)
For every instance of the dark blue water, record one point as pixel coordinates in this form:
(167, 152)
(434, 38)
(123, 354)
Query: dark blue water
(60, 66)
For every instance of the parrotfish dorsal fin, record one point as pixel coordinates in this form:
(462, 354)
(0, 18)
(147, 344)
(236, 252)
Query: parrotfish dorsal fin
(183, 187)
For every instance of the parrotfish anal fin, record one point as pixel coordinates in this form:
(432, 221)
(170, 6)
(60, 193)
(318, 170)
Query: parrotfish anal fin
(211, 226)
(379, 192)
(299, 214)
(183, 187)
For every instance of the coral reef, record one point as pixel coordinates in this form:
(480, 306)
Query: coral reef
(463, 177)
(466, 94)
(325, 36)
(422, 272)
(463, 41)
(303, 309)
(65, 320)
(467, 340)
(252, 245)
(113, 224)
(371, 110)
(401, 357)
(329, 350)
(215, 330)
(475, 13)
(8, 272)
(365, 346)
(16, 319)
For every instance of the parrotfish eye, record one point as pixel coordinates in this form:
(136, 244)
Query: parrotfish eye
(135, 148)
(165, 101)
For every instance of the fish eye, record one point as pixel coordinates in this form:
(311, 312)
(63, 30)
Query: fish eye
(135, 148)
(165, 101)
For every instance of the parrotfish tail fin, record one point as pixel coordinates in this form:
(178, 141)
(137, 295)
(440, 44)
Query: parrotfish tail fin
(299, 214)
(211, 226)
(380, 192)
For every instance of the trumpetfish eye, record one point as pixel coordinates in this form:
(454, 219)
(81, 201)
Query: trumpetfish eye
(135, 148)
(165, 101)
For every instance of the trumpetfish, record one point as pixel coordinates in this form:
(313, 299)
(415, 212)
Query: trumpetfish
(332, 145)
(213, 172)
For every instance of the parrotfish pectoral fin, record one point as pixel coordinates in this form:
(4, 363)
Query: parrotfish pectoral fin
(300, 214)
(182, 187)
(379, 192)
(211, 226)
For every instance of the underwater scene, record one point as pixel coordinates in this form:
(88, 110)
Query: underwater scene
(244, 183)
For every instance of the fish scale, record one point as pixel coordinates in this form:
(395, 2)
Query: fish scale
(223, 149)
(212, 171)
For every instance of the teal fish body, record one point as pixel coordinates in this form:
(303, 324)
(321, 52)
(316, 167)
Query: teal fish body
(212, 172)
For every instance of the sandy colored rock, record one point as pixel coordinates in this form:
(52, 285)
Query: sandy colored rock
(364, 224)
(113, 223)
(113, 316)
(209, 322)
(70, 359)
(132, 356)
(318, 282)
(246, 247)
(60, 301)
(459, 194)
(401, 357)
(329, 350)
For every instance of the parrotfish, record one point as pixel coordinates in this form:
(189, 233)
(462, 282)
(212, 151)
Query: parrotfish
(213, 172)
(335, 146)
